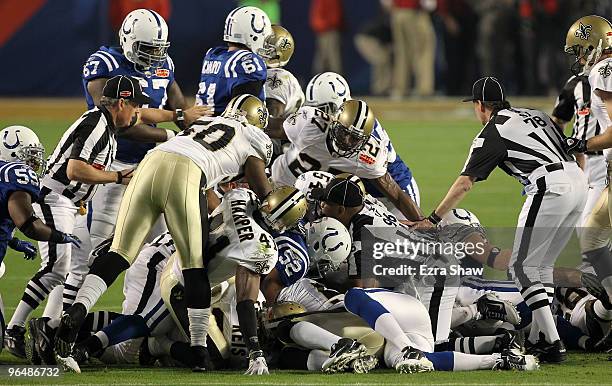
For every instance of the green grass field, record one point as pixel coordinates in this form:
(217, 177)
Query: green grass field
(433, 138)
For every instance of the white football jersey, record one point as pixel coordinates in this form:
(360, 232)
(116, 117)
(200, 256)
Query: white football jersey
(311, 149)
(236, 239)
(600, 78)
(221, 147)
(282, 86)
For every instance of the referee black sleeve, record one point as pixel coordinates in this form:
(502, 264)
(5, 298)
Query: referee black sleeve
(487, 152)
(566, 102)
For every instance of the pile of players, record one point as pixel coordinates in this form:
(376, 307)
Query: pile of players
(259, 262)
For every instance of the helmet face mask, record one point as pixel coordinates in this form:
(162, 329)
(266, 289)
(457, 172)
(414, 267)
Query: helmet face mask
(347, 141)
(283, 208)
(151, 54)
(278, 47)
(19, 143)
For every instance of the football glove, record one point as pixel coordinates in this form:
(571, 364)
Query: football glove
(257, 363)
(573, 145)
(68, 238)
(28, 249)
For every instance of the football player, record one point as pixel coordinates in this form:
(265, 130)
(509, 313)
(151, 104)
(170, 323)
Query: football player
(327, 91)
(21, 156)
(143, 54)
(343, 143)
(174, 179)
(284, 94)
(239, 67)
(405, 324)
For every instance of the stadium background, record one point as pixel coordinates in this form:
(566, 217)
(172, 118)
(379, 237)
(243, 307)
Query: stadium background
(43, 45)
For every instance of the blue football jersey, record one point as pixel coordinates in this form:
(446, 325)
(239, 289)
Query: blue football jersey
(14, 176)
(293, 262)
(396, 168)
(110, 61)
(222, 70)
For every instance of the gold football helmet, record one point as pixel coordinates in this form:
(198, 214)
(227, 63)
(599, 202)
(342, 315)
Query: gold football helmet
(355, 179)
(249, 107)
(352, 126)
(587, 39)
(283, 208)
(279, 47)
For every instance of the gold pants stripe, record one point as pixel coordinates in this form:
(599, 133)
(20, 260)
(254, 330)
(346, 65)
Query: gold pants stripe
(171, 184)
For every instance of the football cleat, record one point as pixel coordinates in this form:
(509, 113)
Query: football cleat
(30, 350)
(14, 341)
(68, 364)
(413, 361)
(547, 352)
(512, 360)
(364, 364)
(342, 354)
(42, 339)
(201, 359)
(491, 307)
(68, 329)
(80, 354)
(597, 328)
(510, 340)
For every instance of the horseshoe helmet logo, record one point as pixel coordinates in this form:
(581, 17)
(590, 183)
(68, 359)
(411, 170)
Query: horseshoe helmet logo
(340, 93)
(128, 31)
(263, 24)
(6, 144)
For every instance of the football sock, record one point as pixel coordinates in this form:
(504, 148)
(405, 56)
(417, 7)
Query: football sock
(316, 358)
(97, 320)
(71, 288)
(456, 361)
(93, 287)
(36, 291)
(536, 298)
(123, 328)
(572, 336)
(475, 344)
(311, 336)
(53, 309)
(357, 301)
(198, 325)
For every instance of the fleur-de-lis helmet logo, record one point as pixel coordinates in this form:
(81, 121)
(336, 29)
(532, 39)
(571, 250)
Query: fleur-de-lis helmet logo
(584, 31)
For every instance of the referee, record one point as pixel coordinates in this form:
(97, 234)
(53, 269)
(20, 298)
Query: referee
(78, 164)
(527, 145)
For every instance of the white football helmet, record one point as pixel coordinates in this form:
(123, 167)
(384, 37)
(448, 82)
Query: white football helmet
(327, 91)
(144, 38)
(329, 244)
(460, 216)
(249, 26)
(19, 143)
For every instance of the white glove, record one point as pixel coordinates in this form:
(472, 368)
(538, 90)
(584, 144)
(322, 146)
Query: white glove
(257, 364)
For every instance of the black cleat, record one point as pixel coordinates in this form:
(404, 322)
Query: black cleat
(201, 359)
(42, 336)
(548, 352)
(144, 354)
(342, 354)
(67, 332)
(30, 350)
(14, 341)
(510, 340)
(492, 307)
(512, 360)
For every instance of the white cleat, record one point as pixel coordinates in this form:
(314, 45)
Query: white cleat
(364, 365)
(342, 354)
(413, 361)
(68, 364)
(514, 360)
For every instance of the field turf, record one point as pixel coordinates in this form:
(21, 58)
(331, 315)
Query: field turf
(433, 138)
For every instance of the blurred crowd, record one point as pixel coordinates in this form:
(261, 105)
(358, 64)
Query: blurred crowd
(427, 47)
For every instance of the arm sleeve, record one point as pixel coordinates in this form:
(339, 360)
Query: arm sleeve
(487, 151)
(565, 105)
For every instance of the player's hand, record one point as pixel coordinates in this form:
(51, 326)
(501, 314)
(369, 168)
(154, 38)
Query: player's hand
(421, 224)
(68, 238)
(28, 249)
(195, 112)
(573, 145)
(124, 176)
(257, 364)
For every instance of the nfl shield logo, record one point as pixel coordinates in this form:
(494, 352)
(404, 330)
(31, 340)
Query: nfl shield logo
(125, 94)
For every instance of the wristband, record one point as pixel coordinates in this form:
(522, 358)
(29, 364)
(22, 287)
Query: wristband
(434, 218)
(248, 324)
(119, 178)
(180, 115)
(169, 134)
(56, 236)
(13, 243)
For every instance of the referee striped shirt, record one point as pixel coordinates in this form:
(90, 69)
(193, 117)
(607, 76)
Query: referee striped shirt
(518, 141)
(575, 101)
(90, 139)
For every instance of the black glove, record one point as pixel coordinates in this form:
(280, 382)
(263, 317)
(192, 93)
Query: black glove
(573, 145)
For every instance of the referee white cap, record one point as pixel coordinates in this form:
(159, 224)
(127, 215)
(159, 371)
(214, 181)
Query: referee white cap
(487, 89)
